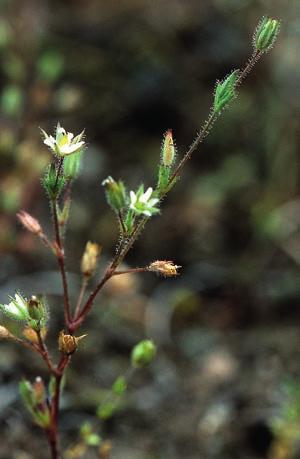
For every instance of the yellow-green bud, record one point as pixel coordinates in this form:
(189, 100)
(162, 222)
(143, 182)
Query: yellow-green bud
(90, 258)
(143, 353)
(168, 149)
(266, 34)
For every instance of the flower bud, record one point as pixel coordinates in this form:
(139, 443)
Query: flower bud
(39, 390)
(115, 193)
(225, 91)
(36, 309)
(67, 344)
(5, 334)
(119, 386)
(30, 334)
(34, 398)
(90, 258)
(105, 449)
(164, 268)
(29, 222)
(168, 149)
(266, 34)
(143, 353)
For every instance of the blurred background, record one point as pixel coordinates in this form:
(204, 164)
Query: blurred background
(226, 382)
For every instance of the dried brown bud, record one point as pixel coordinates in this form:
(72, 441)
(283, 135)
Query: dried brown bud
(30, 334)
(5, 334)
(67, 344)
(105, 449)
(89, 259)
(164, 268)
(29, 222)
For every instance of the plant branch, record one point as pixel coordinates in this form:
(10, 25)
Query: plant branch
(110, 271)
(45, 353)
(131, 271)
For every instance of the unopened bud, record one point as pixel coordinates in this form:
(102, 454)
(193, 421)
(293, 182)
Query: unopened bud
(225, 91)
(164, 268)
(67, 344)
(90, 258)
(143, 353)
(39, 390)
(5, 334)
(105, 449)
(34, 398)
(30, 334)
(168, 149)
(266, 34)
(115, 193)
(36, 309)
(29, 222)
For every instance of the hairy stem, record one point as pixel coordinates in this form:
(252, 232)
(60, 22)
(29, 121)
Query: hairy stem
(110, 271)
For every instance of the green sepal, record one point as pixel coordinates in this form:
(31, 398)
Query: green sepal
(52, 185)
(129, 221)
(163, 178)
(64, 213)
(26, 392)
(72, 164)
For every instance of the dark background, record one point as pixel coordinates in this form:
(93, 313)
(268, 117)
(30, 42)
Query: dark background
(225, 383)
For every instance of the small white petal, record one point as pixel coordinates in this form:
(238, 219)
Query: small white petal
(70, 137)
(68, 149)
(133, 198)
(147, 213)
(146, 196)
(152, 202)
(50, 142)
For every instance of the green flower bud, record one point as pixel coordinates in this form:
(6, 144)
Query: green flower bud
(115, 193)
(107, 409)
(36, 309)
(34, 398)
(143, 353)
(266, 34)
(225, 91)
(119, 386)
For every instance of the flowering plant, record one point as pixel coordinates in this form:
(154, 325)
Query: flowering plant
(132, 211)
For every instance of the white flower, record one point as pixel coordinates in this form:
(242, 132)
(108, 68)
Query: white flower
(142, 203)
(64, 143)
(17, 308)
